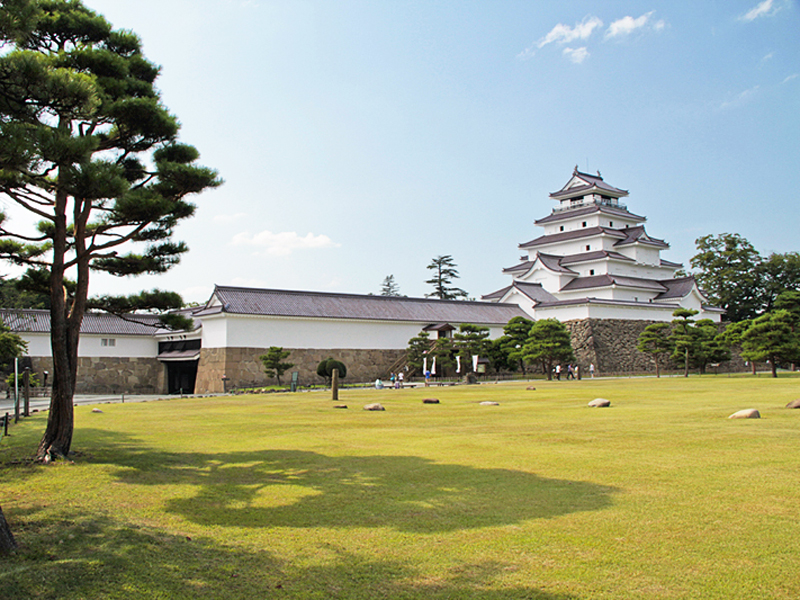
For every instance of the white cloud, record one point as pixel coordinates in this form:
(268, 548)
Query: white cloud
(564, 34)
(199, 293)
(741, 98)
(576, 55)
(627, 25)
(790, 77)
(284, 243)
(767, 8)
(229, 218)
(250, 283)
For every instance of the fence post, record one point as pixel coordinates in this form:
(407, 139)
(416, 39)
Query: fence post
(335, 384)
(26, 392)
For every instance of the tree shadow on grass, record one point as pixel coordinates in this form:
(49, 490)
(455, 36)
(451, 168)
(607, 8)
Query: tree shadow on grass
(99, 557)
(293, 488)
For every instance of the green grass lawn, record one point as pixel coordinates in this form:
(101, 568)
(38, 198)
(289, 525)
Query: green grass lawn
(541, 497)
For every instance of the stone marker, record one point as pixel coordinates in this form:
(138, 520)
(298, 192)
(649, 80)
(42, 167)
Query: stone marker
(794, 404)
(430, 401)
(600, 403)
(97, 410)
(747, 413)
(530, 388)
(375, 406)
(340, 406)
(489, 403)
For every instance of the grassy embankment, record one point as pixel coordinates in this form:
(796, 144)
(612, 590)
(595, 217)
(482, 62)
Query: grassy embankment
(282, 496)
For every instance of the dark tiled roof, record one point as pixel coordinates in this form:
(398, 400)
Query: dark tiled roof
(286, 303)
(573, 235)
(577, 301)
(677, 288)
(590, 182)
(579, 212)
(179, 355)
(638, 234)
(598, 281)
(497, 294)
(553, 262)
(667, 263)
(595, 255)
(38, 321)
(523, 266)
(534, 291)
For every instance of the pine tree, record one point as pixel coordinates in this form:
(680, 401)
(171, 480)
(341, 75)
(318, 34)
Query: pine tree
(272, 361)
(92, 154)
(389, 287)
(444, 273)
(654, 340)
(548, 344)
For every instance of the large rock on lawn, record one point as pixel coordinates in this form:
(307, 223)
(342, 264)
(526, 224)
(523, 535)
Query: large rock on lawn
(375, 406)
(600, 403)
(747, 413)
(794, 404)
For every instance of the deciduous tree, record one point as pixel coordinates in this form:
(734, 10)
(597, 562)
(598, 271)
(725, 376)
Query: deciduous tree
(779, 273)
(728, 270)
(90, 153)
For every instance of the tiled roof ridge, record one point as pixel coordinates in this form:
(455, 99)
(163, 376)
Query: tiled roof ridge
(561, 215)
(376, 297)
(574, 234)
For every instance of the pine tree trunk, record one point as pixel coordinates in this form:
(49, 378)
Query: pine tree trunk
(7, 542)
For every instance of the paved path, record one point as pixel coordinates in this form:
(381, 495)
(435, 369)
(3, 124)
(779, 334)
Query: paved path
(7, 405)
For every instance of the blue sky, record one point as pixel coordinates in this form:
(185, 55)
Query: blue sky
(362, 139)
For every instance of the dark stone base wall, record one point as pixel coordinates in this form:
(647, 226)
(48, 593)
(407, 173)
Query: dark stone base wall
(112, 375)
(243, 368)
(610, 344)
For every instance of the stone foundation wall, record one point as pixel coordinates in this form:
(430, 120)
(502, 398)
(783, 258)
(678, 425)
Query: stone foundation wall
(112, 375)
(243, 368)
(610, 344)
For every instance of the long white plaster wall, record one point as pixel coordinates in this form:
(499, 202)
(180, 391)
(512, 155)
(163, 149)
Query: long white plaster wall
(91, 345)
(596, 242)
(261, 332)
(601, 311)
